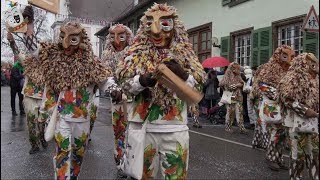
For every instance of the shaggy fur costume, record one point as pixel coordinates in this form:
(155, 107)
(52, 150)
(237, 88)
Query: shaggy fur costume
(110, 56)
(229, 78)
(61, 71)
(271, 72)
(298, 85)
(143, 57)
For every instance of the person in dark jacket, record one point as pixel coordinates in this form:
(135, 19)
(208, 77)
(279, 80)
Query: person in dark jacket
(211, 95)
(16, 84)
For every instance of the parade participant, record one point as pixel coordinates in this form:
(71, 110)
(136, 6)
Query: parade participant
(71, 76)
(264, 86)
(32, 88)
(161, 38)
(119, 37)
(298, 96)
(247, 89)
(232, 81)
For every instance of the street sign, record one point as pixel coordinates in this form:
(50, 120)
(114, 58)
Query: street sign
(311, 23)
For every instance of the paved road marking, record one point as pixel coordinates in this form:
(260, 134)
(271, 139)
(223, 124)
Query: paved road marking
(226, 140)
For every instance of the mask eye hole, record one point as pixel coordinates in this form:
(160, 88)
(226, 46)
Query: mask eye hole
(166, 24)
(74, 40)
(122, 37)
(61, 36)
(111, 37)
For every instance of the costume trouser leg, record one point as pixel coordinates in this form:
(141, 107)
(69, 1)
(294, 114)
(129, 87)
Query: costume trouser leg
(251, 112)
(35, 128)
(119, 128)
(234, 110)
(93, 115)
(260, 135)
(13, 92)
(276, 143)
(71, 140)
(166, 155)
(304, 149)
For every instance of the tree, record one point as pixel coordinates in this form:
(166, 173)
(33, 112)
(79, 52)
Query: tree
(42, 31)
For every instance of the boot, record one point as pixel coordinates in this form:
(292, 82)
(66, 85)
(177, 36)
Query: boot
(34, 150)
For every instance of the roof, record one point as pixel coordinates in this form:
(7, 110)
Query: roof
(132, 9)
(98, 9)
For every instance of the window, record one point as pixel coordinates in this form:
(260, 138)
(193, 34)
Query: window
(242, 49)
(200, 38)
(132, 26)
(241, 44)
(289, 32)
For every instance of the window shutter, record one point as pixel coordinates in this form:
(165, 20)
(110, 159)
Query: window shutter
(225, 2)
(261, 46)
(310, 43)
(225, 47)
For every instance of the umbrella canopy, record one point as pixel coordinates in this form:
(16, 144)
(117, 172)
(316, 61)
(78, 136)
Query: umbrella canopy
(216, 61)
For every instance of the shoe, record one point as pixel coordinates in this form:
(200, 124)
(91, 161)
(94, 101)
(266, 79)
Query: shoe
(14, 113)
(283, 166)
(22, 113)
(44, 144)
(34, 150)
(273, 166)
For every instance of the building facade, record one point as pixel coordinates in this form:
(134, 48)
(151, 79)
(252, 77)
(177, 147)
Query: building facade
(248, 31)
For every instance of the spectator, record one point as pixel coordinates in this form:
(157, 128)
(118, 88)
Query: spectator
(16, 84)
(211, 89)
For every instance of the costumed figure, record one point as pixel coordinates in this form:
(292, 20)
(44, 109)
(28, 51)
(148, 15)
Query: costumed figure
(233, 82)
(71, 77)
(161, 39)
(298, 96)
(33, 86)
(119, 37)
(264, 87)
(247, 88)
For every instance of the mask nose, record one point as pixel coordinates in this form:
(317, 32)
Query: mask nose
(65, 42)
(117, 40)
(155, 29)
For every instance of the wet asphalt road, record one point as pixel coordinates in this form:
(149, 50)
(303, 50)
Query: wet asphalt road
(214, 154)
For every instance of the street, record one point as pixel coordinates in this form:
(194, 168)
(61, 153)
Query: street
(214, 153)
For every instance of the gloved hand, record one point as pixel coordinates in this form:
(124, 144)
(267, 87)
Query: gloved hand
(146, 80)
(177, 69)
(28, 14)
(116, 96)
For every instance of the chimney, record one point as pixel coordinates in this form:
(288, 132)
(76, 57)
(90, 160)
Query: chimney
(135, 2)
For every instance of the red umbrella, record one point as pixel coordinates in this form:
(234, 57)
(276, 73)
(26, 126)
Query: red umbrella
(216, 61)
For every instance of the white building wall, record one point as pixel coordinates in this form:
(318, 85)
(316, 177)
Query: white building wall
(225, 19)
